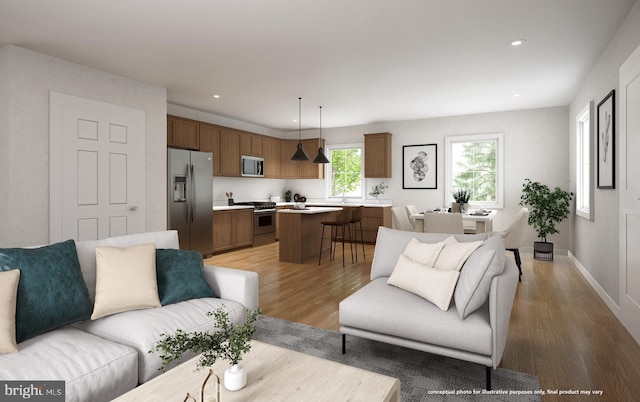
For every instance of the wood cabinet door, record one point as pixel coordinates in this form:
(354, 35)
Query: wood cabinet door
(230, 158)
(245, 144)
(210, 142)
(257, 145)
(288, 168)
(377, 155)
(186, 134)
(271, 147)
(222, 230)
(169, 132)
(243, 227)
(308, 169)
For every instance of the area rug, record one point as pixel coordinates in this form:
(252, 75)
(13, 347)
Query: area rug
(423, 376)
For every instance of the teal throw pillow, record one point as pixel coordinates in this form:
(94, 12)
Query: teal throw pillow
(51, 290)
(180, 277)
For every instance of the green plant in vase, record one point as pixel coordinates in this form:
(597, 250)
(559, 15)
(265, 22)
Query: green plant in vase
(461, 198)
(378, 190)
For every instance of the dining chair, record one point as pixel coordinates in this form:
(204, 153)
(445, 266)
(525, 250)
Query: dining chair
(400, 220)
(443, 223)
(514, 234)
(411, 209)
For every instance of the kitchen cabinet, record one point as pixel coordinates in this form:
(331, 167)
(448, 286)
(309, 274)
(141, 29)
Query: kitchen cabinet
(288, 168)
(377, 155)
(232, 228)
(372, 219)
(230, 148)
(251, 144)
(271, 148)
(210, 136)
(278, 219)
(183, 133)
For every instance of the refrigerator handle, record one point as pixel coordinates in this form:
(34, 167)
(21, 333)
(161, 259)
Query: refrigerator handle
(188, 193)
(193, 192)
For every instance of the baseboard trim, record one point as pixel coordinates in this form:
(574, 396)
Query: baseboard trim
(613, 306)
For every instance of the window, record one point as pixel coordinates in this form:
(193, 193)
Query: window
(475, 163)
(345, 171)
(584, 178)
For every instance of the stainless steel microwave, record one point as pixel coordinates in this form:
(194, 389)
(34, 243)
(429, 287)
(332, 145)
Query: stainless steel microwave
(252, 166)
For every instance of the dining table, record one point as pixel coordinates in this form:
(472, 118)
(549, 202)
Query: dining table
(483, 219)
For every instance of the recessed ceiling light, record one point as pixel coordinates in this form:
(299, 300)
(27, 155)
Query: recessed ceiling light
(517, 42)
(516, 95)
(216, 96)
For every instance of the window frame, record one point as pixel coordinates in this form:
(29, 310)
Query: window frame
(584, 203)
(327, 172)
(448, 170)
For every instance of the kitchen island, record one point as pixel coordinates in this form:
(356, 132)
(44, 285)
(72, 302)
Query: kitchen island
(301, 232)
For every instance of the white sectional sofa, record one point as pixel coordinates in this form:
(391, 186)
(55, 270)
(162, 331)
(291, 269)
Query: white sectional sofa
(103, 358)
(473, 328)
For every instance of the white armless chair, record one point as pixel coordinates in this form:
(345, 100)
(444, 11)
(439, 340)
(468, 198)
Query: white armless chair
(514, 234)
(443, 223)
(400, 220)
(411, 209)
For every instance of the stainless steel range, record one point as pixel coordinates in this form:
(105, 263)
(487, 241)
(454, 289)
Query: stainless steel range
(264, 221)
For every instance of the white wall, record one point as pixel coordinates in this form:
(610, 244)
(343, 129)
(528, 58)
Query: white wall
(595, 244)
(26, 77)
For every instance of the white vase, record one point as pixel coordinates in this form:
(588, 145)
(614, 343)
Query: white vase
(235, 377)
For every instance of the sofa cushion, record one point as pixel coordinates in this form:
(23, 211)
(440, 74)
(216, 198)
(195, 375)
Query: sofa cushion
(8, 292)
(412, 317)
(51, 291)
(429, 283)
(454, 254)
(93, 368)
(180, 276)
(476, 276)
(141, 329)
(125, 279)
(390, 243)
(423, 253)
(87, 250)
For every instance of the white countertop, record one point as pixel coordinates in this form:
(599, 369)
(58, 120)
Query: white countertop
(227, 207)
(336, 204)
(310, 210)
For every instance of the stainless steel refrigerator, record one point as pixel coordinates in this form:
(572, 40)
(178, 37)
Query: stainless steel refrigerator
(190, 192)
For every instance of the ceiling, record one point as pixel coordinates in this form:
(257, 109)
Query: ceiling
(364, 61)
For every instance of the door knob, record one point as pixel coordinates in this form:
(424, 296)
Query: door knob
(133, 208)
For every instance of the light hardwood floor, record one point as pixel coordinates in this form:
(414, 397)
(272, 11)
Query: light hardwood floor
(560, 329)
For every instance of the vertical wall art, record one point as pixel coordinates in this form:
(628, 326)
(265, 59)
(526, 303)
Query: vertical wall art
(606, 142)
(419, 166)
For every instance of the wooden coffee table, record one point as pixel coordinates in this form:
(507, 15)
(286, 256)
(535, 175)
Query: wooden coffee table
(274, 374)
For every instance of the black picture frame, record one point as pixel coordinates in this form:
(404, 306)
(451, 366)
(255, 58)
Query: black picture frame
(606, 131)
(420, 167)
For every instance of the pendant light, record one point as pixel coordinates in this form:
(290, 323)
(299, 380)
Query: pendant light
(320, 158)
(300, 155)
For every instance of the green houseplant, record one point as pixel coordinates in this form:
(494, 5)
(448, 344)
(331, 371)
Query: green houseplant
(228, 341)
(547, 208)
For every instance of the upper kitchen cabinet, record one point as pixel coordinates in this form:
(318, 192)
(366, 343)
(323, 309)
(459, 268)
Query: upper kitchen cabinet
(288, 168)
(271, 148)
(308, 169)
(210, 137)
(230, 147)
(183, 133)
(377, 155)
(251, 144)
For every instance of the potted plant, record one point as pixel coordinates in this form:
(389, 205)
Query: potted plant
(546, 209)
(378, 190)
(461, 203)
(228, 341)
(287, 195)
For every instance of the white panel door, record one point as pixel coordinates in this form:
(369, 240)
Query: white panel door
(97, 166)
(630, 194)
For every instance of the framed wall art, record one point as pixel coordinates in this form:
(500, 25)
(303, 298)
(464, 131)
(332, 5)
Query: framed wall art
(606, 142)
(420, 166)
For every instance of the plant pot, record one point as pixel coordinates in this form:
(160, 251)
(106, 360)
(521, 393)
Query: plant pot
(543, 251)
(455, 207)
(235, 378)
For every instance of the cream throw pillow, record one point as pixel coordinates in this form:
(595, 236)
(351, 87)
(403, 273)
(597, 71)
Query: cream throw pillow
(434, 285)
(8, 294)
(454, 254)
(423, 253)
(125, 279)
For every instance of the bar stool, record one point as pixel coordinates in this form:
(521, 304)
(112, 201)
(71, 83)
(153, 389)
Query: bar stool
(342, 221)
(356, 218)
